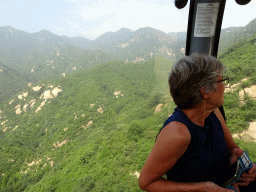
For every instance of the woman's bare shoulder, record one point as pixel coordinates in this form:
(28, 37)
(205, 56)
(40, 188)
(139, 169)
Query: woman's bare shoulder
(172, 142)
(174, 130)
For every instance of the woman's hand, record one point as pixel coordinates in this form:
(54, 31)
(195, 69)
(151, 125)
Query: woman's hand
(212, 187)
(235, 154)
(235, 185)
(247, 178)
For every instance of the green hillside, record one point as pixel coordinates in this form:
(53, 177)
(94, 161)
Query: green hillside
(231, 35)
(49, 59)
(56, 61)
(93, 130)
(44, 55)
(240, 62)
(240, 59)
(102, 119)
(11, 82)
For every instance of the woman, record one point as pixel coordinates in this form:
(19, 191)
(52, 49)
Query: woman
(194, 145)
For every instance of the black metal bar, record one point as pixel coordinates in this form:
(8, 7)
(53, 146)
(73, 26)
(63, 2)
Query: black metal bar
(204, 40)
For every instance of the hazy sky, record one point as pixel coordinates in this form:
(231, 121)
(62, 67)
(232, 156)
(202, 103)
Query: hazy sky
(92, 18)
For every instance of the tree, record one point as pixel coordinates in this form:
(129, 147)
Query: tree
(135, 130)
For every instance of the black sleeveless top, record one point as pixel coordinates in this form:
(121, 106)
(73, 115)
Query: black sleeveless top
(207, 154)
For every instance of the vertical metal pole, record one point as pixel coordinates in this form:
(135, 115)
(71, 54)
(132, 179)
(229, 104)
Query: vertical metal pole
(204, 26)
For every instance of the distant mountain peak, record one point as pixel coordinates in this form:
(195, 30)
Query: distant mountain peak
(150, 30)
(123, 29)
(147, 29)
(10, 30)
(9, 27)
(45, 32)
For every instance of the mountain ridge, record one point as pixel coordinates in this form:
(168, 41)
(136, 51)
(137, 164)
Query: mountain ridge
(43, 54)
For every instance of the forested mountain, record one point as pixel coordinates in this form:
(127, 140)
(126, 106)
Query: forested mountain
(123, 45)
(230, 35)
(140, 45)
(43, 55)
(240, 63)
(88, 122)
(179, 35)
(11, 82)
(85, 131)
(93, 130)
(40, 56)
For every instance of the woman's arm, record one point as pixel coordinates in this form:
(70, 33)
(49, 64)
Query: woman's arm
(164, 185)
(227, 134)
(171, 144)
(236, 152)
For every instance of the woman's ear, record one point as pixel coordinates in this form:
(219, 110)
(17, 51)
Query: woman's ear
(205, 93)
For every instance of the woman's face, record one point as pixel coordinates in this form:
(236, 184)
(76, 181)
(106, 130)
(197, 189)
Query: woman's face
(216, 97)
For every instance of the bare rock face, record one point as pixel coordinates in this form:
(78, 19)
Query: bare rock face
(159, 108)
(37, 88)
(251, 91)
(55, 91)
(248, 135)
(252, 130)
(234, 86)
(100, 110)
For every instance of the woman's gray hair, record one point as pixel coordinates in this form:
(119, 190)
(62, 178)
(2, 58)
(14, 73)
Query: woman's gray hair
(189, 75)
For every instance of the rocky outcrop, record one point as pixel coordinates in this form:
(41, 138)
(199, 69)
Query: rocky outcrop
(251, 91)
(248, 135)
(159, 108)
